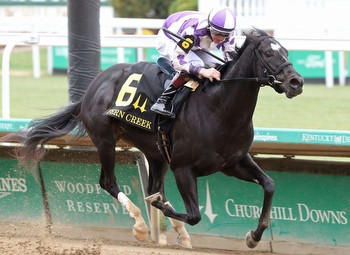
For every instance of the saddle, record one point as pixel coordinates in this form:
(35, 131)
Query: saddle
(138, 90)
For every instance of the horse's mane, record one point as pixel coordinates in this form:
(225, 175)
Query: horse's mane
(235, 55)
(240, 49)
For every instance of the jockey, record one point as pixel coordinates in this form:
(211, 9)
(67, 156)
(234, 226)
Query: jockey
(213, 32)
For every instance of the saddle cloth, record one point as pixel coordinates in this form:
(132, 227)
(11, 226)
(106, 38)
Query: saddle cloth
(139, 88)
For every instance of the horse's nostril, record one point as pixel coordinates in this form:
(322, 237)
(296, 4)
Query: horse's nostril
(295, 83)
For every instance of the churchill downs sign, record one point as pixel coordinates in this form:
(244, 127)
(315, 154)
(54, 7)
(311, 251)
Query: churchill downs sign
(306, 208)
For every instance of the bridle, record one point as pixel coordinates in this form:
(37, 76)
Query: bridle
(270, 74)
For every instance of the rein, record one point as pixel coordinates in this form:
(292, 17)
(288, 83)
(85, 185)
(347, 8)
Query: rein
(270, 79)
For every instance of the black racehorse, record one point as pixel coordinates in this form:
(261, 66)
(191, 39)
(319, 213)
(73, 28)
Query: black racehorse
(213, 132)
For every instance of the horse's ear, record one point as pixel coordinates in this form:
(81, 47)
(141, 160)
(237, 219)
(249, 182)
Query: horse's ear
(259, 32)
(254, 34)
(251, 35)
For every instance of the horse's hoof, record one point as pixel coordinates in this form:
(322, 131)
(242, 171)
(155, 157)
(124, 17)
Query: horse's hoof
(251, 243)
(184, 242)
(155, 197)
(140, 235)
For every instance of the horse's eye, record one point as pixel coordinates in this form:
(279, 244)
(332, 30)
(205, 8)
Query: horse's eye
(268, 54)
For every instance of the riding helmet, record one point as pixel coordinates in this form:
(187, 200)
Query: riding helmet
(222, 19)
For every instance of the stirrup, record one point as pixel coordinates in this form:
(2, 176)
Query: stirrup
(160, 109)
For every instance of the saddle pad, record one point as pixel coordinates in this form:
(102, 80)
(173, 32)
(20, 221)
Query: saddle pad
(137, 91)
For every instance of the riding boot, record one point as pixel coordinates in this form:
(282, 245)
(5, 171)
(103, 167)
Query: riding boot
(164, 105)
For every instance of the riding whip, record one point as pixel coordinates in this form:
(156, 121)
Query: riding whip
(199, 48)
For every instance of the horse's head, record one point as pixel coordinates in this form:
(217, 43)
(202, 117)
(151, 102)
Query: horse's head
(274, 65)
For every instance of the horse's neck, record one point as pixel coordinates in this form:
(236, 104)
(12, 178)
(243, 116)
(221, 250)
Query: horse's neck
(240, 93)
(238, 97)
(244, 67)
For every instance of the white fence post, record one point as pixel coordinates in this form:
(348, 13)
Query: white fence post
(6, 70)
(36, 61)
(49, 60)
(342, 70)
(329, 69)
(140, 55)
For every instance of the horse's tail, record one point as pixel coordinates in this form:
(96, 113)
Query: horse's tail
(40, 131)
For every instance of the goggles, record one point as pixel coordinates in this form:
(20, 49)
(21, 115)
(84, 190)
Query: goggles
(217, 33)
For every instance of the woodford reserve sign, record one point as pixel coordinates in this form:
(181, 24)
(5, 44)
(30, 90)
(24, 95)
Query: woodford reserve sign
(76, 198)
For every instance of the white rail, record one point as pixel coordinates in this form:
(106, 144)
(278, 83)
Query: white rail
(60, 24)
(10, 40)
(147, 41)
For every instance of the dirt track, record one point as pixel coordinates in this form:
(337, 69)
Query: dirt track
(63, 246)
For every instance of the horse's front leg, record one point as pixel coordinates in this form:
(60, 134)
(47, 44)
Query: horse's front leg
(253, 237)
(248, 170)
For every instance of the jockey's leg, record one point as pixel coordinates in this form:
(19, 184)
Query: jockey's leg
(164, 105)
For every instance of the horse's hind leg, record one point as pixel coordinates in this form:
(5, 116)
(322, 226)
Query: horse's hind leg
(157, 171)
(105, 142)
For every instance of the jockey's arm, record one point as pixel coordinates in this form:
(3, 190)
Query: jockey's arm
(181, 65)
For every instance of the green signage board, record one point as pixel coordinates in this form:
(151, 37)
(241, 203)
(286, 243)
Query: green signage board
(20, 193)
(312, 64)
(219, 197)
(313, 208)
(302, 136)
(76, 198)
(109, 57)
(306, 208)
(151, 54)
(13, 125)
